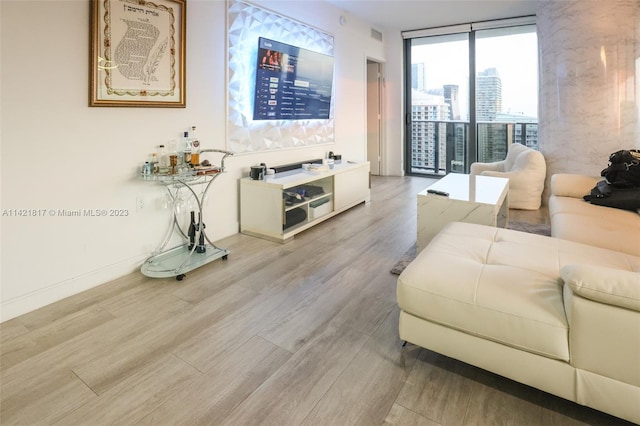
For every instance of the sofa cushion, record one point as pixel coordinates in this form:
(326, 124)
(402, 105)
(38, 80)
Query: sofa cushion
(502, 286)
(499, 284)
(572, 185)
(577, 220)
(606, 285)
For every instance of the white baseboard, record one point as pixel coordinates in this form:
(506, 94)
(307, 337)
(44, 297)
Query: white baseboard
(37, 299)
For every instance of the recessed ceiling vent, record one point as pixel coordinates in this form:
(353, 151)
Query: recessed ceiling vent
(376, 34)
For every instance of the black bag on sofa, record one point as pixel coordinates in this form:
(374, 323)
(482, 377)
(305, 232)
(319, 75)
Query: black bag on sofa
(620, 188)
(605, 194)
(624, 169)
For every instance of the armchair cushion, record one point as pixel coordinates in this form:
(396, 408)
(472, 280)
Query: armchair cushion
(480, 168)
(513, 152)
(606, 285)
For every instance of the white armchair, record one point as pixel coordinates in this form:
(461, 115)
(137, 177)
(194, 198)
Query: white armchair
(526, 170)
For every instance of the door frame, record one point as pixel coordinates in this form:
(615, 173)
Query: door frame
(381, 112)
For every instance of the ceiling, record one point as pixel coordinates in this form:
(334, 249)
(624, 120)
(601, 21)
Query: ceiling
(418, 14)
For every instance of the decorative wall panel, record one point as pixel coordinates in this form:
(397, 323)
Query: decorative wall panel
(245, 24)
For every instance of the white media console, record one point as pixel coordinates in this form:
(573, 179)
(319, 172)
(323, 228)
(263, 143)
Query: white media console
(264, 210)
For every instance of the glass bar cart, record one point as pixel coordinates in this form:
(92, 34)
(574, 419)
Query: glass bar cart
(178, 260)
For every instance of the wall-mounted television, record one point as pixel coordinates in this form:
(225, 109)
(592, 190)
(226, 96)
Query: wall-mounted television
(292, 83)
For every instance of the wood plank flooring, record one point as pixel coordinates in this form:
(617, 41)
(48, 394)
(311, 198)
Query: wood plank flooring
(303, 333)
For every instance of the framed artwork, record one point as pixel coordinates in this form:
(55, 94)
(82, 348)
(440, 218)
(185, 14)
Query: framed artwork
(137, 54)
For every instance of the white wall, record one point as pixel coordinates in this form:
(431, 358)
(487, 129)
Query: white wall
(58, 153)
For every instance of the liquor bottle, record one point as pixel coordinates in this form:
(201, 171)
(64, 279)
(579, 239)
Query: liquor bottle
(173, 156)
(187, 149)
(201, 248)
(195, 153)
(192, 230)
(195, 147)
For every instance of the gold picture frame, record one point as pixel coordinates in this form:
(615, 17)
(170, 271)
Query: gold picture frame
(137, 54)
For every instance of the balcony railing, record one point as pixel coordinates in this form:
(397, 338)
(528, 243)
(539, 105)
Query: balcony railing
(442, 147)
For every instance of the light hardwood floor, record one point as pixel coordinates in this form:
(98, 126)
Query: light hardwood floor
(303, 333)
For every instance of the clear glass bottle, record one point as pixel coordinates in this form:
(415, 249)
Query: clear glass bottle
(163, 159)
(153, 161)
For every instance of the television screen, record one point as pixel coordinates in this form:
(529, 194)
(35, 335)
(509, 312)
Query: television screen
(292, 83)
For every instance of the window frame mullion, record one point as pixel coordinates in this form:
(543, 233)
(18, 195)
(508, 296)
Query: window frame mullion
(472, 143)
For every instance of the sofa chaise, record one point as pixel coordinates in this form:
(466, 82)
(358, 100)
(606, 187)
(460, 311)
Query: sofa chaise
(558, 315)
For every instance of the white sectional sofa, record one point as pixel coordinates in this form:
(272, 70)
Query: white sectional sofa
(559, 315)
(574, 219)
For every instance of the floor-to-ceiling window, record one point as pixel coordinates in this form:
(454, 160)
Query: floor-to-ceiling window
(472, 90)
(439, 107)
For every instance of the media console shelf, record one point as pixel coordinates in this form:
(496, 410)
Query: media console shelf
(265, 212)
